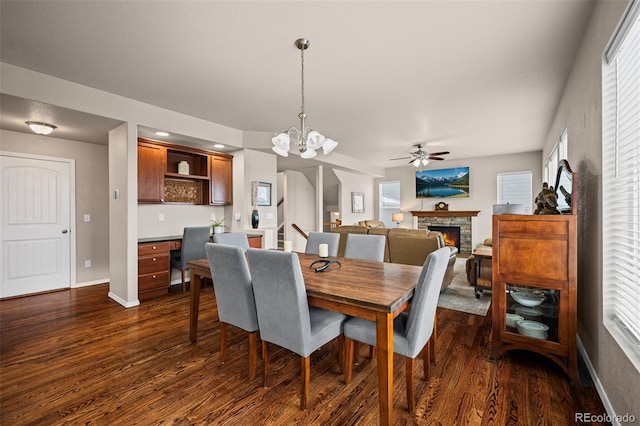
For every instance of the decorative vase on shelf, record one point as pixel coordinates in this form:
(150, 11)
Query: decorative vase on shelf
(255, 218)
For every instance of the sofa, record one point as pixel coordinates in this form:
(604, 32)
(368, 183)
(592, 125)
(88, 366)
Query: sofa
(485, 269)
(372, 223)
(406, 246)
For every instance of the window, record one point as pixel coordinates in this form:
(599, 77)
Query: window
(621, 184)
(563, 147)
(559, 152)
(515, 188)
(389, 201)
(553, 166)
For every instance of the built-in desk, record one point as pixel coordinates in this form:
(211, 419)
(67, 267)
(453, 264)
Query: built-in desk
(154, 263)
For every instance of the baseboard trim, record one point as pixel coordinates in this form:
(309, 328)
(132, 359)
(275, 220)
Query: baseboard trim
(596, 382)
(123, 302)
(94, 282)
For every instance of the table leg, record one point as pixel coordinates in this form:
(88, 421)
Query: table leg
(384, 345)
(194, 306)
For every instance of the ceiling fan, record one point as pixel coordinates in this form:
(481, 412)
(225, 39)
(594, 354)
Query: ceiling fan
(422, 157)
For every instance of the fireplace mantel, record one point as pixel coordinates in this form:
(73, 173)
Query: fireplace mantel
(445, 213)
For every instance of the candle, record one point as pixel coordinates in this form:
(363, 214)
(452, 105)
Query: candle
(288, 246)
(323, 250)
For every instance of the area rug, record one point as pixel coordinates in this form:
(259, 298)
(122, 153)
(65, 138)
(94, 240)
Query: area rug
(460, 295)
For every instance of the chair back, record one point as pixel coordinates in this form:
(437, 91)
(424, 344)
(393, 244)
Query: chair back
(238, 239)
(317, 238)
(193, 240)
(232, 286)
(420, 320)
(365, 247)
(281, 299)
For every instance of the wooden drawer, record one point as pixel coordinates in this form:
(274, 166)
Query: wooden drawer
(255, 242)
(149, 249)
(153, 281)
(534, 228)
(151, 264)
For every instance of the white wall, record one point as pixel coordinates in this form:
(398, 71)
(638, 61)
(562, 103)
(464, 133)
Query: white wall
(580, 110)
(483, 188)
(353, 182)
(92, 174)
(299, 207)
(176, 217)
(123, 214)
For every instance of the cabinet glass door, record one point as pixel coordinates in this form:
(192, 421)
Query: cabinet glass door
(532, 311)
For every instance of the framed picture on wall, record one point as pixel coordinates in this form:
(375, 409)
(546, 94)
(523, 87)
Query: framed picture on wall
(264, 194)
(357, 202)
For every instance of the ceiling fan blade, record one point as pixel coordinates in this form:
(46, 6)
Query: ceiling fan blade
(399, 158)
(439, 153)
(435, 158)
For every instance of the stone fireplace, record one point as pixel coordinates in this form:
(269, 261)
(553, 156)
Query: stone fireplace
(446, 219)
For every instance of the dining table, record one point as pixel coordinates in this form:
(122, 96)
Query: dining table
(376, 291)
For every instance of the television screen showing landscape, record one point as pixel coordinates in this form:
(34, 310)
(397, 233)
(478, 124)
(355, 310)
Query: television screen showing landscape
(443, 183)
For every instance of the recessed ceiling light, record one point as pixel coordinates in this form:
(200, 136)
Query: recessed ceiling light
(218, 145)
(40, 128)
(162, 133)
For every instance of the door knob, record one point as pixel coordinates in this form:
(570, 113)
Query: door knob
(64, 231)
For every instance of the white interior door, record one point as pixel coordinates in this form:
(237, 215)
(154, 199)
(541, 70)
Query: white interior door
(35, 215)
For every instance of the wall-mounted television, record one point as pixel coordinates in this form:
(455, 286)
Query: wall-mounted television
(443, 183)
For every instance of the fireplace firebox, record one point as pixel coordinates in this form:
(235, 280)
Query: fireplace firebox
(451, 234)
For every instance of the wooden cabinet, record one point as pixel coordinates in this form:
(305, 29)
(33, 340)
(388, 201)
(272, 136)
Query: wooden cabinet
(150, 173)
(255, 241)
(154, 269)
(205, 177)
(534, 304)
(221, 180)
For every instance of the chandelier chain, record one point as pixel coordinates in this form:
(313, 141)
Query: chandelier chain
(302, 78)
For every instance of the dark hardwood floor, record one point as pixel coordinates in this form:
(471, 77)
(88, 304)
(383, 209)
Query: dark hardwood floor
(77, 357)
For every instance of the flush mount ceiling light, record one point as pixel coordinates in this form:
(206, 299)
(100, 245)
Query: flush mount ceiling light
(162, 133)
(306, 140)
(40, 128)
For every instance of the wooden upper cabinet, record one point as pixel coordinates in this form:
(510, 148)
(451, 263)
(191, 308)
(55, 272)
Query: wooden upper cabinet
(221, 180)
(151, 160)
(206, 176)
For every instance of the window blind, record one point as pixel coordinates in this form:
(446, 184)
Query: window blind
(563, 146)
(515, 188)
(621, 185)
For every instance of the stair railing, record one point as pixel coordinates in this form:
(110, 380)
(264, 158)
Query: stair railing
(300, 231)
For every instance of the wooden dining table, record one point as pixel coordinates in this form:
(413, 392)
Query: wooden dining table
(377, 291)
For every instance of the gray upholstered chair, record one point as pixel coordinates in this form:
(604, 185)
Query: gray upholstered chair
(234, 297)
(192, 248)
(284, 315)
(238, 239)
(332, 239)
(412, 331)
(365, 247)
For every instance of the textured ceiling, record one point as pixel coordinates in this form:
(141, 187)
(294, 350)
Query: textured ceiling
(472, 77)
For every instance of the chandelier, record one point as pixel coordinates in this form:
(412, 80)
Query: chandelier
(307, 140)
